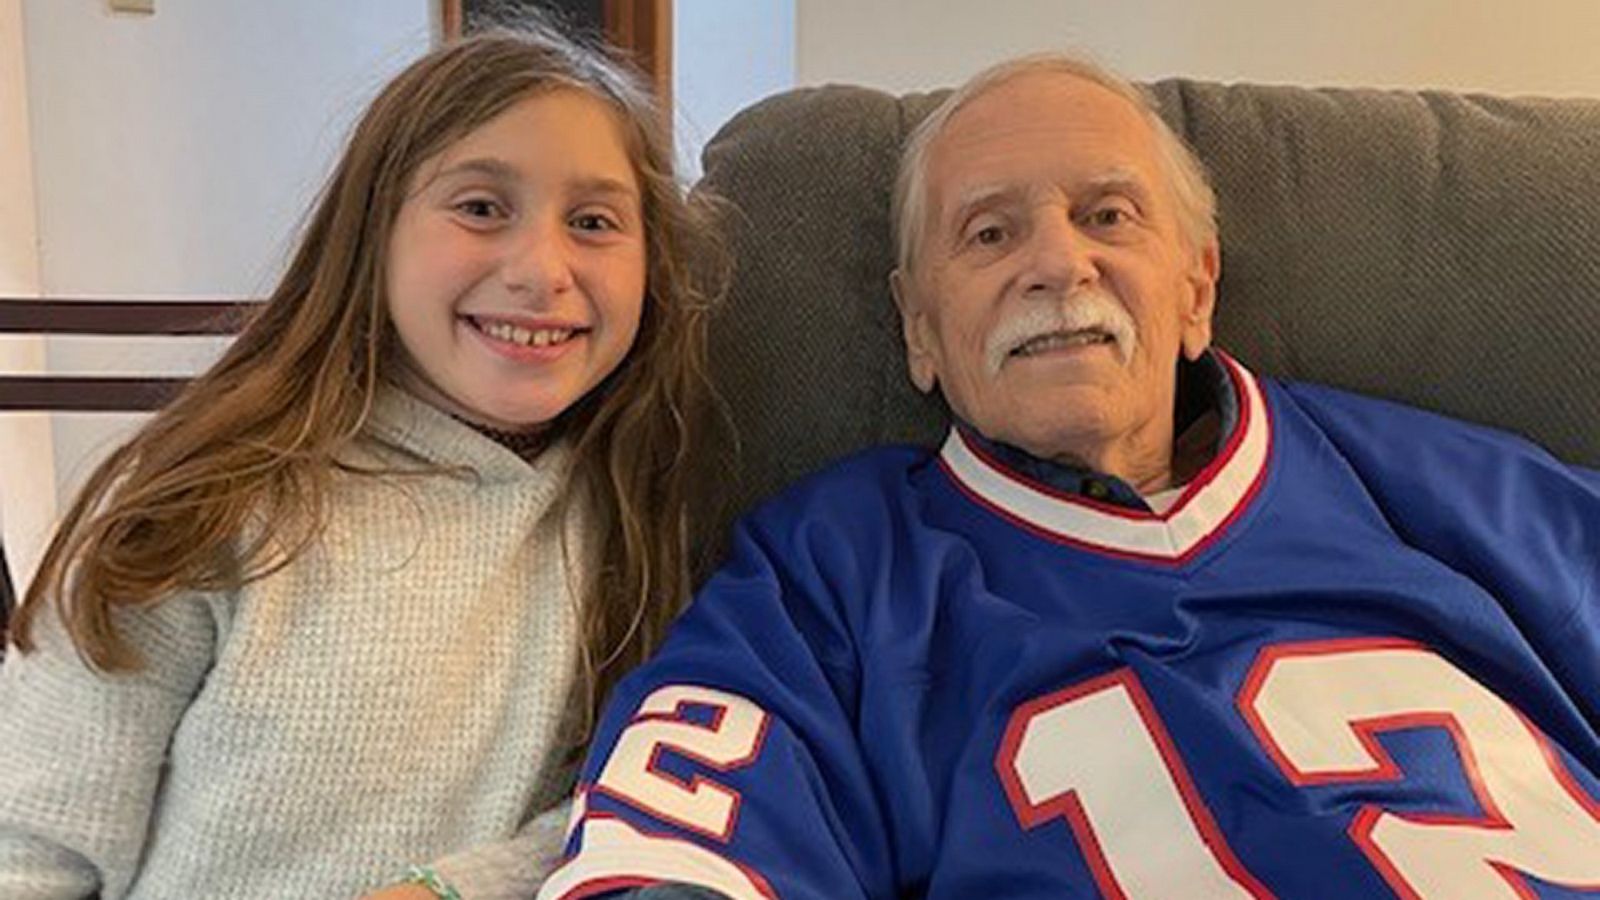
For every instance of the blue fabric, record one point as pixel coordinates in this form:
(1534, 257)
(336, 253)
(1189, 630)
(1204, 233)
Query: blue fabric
(900, 642)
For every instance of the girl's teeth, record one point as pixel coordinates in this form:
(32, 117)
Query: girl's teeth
(513, 334)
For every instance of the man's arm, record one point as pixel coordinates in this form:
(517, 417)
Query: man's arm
(673, 892)
(731, 761)
(1496, 508)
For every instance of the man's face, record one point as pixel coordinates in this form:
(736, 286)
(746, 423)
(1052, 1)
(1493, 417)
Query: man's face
(1052, 289)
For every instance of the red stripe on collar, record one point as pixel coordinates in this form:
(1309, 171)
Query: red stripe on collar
(1209, 504)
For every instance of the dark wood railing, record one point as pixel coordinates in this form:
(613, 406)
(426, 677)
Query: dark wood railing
(80, 393)
(128, 318)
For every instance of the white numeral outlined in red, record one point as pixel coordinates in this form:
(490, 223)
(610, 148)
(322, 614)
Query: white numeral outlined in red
(1047, 765)
(1318, 708)
(732, 739)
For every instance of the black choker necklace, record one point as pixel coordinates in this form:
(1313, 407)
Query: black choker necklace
(526, 444)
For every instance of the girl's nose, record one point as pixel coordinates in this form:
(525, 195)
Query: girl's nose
(538, 261)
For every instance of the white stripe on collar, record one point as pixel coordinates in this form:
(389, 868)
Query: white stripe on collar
(1219, 494)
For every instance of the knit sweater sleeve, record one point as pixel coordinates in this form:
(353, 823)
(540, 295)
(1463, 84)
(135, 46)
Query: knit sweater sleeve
(512, 869)
(84, 750)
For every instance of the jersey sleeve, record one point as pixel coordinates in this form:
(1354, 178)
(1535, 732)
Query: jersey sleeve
(84, 750)
(1490, 505)
(731, 761)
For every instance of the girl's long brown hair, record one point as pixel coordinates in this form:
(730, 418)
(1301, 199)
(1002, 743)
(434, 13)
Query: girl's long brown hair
(256, 439)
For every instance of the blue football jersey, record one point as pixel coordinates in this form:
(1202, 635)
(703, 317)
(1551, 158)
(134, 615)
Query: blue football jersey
(1358, 657)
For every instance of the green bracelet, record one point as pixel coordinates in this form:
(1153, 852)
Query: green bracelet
(428, 878)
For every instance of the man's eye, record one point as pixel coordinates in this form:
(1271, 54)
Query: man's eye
(989, 235)
(1109, 216)
(594, 222)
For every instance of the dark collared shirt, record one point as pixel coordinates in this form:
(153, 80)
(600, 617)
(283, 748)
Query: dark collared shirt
(1203, 387)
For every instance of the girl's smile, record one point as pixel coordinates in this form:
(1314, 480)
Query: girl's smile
(524, 340)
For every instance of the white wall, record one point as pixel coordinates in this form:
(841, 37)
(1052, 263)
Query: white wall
(174, 154)
(1490, 45)
(726, 54)
(27, 466)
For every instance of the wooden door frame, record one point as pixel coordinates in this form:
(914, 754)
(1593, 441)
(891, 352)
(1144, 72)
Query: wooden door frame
(450, 19)
(643, 30)
(640, 28)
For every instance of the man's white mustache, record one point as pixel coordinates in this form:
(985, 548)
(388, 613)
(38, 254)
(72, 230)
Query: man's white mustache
(1087, 310)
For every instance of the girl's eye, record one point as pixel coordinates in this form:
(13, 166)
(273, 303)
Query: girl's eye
(480, 208)
(594, 222)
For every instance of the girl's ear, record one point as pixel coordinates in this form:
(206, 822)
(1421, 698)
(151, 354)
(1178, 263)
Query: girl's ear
(1200, 300)
(915, 328)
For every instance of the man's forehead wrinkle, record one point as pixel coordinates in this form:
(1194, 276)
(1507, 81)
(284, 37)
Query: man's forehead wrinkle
(1117, 175)
(1104, 153)
(981, 195)
(1123, 179)
(1114, 179)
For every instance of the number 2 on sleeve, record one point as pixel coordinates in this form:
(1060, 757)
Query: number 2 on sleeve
(732, 739)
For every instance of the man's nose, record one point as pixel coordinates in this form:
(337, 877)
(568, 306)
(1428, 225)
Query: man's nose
(538, 260)
(1061, 257)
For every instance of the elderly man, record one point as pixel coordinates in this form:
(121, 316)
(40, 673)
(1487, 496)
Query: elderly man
(1147, 625)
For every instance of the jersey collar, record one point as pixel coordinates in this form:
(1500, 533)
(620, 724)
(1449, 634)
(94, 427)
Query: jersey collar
(1218, 495)
(1205, 392)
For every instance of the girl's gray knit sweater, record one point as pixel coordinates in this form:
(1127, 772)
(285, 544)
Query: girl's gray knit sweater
(392, 697)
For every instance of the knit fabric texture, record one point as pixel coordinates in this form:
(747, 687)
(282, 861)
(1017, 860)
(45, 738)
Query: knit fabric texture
(395, 696)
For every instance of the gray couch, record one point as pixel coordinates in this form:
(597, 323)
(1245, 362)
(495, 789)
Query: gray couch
(1438, 249)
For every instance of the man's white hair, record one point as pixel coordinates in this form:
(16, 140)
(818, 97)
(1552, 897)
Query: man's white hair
(1197, 203)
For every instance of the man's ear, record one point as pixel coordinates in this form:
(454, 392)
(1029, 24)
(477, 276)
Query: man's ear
(1200, 299)
(915, 328)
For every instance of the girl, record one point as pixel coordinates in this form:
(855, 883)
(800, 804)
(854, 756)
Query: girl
(324, 616)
